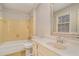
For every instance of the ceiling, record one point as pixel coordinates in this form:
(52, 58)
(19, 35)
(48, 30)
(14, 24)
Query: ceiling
(27, 7)
(59, 6)
(22, 7)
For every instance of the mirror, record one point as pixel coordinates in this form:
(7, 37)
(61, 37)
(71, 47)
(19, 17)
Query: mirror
(65, 17)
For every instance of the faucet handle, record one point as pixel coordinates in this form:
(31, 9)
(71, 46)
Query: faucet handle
(60, 40)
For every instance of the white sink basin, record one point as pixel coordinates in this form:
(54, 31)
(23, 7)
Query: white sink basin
(57, 45)
(28, 44)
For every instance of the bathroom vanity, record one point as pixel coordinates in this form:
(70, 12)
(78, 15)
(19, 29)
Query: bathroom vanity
(40, 48)
(43, 46)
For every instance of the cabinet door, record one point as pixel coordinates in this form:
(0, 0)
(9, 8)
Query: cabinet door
(20, 53)
(35, 51)
(43, 51)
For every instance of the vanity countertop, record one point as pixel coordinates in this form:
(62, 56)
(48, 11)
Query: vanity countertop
(70, 50)
(14, 46)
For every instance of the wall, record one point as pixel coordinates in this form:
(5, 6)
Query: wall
(1, 30)
(72, 11)
(43, 20)
(1, 25)
(14, 26)
(15, 15)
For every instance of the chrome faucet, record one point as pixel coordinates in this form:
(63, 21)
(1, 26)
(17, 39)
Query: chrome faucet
(60, 40)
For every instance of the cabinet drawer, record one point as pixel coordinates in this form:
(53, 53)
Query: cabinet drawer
(45, 51)
(20, 53)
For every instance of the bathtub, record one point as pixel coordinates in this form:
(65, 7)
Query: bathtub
(14, 46)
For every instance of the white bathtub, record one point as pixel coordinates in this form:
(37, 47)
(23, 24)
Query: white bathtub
(14, 46)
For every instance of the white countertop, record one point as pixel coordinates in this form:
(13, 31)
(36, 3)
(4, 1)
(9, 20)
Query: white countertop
(70, 50)
(14, 46)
